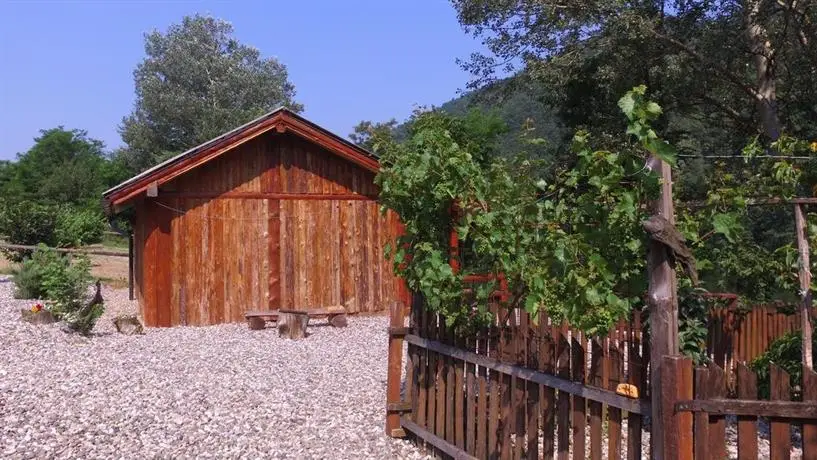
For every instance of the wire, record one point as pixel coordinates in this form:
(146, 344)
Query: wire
(737, 157)
(233, 219)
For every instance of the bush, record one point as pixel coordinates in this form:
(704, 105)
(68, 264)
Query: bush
(29, 278)
(79, 227)
(27, 223)
(30, 223)
(786, 352)
(62, 280)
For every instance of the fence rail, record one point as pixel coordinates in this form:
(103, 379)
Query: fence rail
(21, 247)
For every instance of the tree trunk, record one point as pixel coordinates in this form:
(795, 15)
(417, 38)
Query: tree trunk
(292, 324)
(764, 62)
(805, 286)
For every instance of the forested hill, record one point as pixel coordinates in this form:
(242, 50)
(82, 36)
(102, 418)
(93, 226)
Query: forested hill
(532, 126)
(520, 105)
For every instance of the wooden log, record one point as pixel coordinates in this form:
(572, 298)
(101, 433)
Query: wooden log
(256, 323)
(292, 324)
(338, 320)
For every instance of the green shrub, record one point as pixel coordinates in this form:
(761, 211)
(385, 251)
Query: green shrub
(64, 281)
(27, 223)
(29, 278)
(79, 227)
(693, 314)
(786, 352)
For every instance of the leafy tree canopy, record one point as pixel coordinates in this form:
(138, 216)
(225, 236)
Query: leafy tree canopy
(725, 70)
(63, 167)
(195, 83)
(573, 244)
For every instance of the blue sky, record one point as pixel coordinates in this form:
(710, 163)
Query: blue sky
(71, 63)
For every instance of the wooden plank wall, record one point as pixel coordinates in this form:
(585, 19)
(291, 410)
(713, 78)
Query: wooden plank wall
(276, 223)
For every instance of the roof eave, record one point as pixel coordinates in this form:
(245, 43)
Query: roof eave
(117, 198)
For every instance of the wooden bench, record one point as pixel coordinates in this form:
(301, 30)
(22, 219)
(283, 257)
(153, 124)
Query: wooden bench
(257, 319)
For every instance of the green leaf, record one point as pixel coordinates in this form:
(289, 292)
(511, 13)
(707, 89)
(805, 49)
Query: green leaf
(726, 224)
(662, 150)
(627, 104)
(592, 296)
(653, 109)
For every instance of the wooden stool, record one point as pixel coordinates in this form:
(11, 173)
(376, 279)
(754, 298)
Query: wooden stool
(292, 323)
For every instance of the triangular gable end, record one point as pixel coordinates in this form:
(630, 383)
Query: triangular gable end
(281, 120)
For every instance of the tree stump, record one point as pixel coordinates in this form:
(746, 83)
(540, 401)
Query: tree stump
(40, 317)
(256, 323)
(128, 324)
(292, 324)
(338, 320)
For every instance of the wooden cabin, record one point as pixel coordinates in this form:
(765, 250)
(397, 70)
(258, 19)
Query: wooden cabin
(278, 213)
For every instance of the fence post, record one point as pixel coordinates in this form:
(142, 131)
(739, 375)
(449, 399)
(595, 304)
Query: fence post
(393, 379)
(663, 303)
(805, 285)
(676, 379)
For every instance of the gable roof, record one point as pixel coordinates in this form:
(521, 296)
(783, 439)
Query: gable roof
(281, 119)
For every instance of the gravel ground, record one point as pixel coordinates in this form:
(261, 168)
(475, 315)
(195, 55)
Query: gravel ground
(219, 391)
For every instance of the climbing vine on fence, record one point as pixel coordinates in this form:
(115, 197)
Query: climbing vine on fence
(571, 245)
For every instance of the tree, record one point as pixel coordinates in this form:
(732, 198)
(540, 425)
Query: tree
(195, 83)
(726, 69)
(63, 167)
(366, 133)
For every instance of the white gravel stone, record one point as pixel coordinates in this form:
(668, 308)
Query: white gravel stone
(205, 392)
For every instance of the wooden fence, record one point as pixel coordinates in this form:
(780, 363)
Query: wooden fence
(700, 424)
(742, 335)
(522, 390)
(519, 389)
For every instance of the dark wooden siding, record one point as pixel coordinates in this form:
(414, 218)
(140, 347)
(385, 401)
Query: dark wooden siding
(276, 223)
